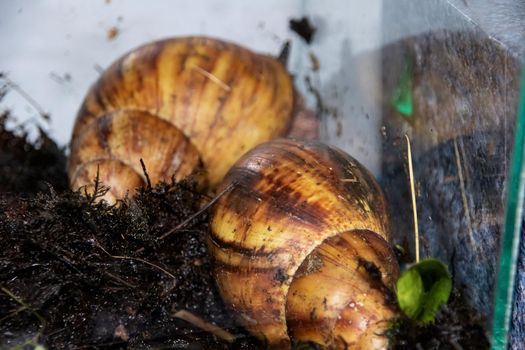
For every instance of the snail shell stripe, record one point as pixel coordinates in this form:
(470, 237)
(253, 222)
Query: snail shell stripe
(224, 99)
(289, 199)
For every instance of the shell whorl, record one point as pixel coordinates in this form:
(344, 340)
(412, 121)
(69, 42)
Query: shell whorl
(358, 314)
(289, 197)
(223, 98)
(114, 144)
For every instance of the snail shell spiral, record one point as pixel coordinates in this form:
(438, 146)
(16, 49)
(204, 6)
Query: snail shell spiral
(291, 242)
(215, 100)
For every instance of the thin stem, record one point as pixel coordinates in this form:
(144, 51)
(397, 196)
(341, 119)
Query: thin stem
(134, 259)
(204, 325)
(24, 305)
(413, 195)
(27, 97)
(202, 210)
(192, 217)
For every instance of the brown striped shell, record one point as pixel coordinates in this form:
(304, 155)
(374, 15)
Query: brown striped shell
(296, 242)
(178, 103)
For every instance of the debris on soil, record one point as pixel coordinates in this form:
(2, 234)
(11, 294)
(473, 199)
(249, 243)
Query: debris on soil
(76, 272)
(455, 327)
(303, 28)
(71, 275)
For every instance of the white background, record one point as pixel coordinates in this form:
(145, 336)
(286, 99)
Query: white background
(51, 50)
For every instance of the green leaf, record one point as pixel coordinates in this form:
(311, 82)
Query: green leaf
(437, 296)
(423, 289)
(410, 293)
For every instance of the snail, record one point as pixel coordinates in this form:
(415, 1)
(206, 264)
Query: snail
(301, 249)
(189, 105)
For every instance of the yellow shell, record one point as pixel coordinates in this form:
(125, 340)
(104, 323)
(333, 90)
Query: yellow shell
(215, 98)
(296, 242)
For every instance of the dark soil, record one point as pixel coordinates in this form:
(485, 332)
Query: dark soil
(455, 327)
(75, 273)
(29, 167)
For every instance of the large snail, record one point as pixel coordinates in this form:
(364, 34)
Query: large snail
(178, 104)
(300, 243)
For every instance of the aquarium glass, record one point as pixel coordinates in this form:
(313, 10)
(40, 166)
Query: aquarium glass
(447, 74)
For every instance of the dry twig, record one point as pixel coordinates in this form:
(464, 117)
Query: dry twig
(204, 325)
(133, 259)
(413, 195)
(202, 210)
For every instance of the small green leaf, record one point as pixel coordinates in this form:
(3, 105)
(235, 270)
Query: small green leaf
(423, 289)
(437, 296)
(410, 293)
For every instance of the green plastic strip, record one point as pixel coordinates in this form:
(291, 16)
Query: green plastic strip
(511, 235)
